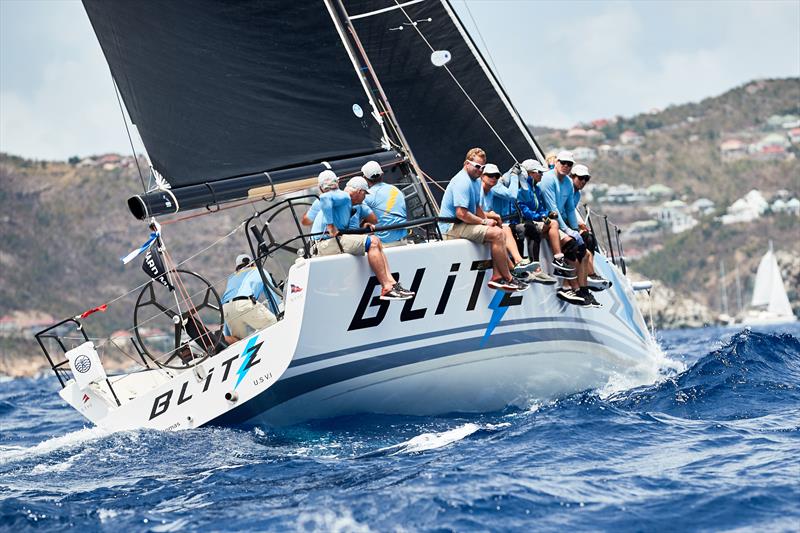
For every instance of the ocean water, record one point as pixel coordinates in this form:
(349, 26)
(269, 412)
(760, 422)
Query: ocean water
(713, 447)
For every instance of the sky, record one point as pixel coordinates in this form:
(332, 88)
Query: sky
(560, 62)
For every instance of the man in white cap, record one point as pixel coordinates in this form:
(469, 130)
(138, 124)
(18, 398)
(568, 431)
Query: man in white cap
(387, 202)
(580, 177)
(240, 301)
(490, 204)
(536, 222)
(461, 201)
(336, 214)
(558, 195)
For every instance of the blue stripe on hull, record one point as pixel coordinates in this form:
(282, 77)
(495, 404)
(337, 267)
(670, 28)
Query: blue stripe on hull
(289, 388)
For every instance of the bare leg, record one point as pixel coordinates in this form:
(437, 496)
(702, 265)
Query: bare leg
(379, 264)
(495, 237)
(511, 245)
(553, 238)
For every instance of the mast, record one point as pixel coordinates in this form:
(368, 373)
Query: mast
(352, 47)
(722, 289)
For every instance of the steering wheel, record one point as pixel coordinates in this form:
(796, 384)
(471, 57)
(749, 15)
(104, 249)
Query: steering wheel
(175, 332)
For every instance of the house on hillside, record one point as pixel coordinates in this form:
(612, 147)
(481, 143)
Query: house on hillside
(782, 121)
(702, 206)
(584, 153)
(622, 150)
(659, 190)
(746, 209)
(576, 132)
(674, 216)
(625, 194)
(789, 207)
(733, 150)
(631, 137)
(794, 135)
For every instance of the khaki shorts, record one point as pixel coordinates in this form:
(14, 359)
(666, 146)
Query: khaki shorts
(471, 232)
(243, 314)
(351, 244)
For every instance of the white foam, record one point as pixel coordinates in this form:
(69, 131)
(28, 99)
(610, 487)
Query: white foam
(330, 521)
(70, 440)
(432, 441)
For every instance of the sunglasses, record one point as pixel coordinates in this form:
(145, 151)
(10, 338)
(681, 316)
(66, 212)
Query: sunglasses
(476, 165)
(584, 178)
(565, 163)
(493, 176)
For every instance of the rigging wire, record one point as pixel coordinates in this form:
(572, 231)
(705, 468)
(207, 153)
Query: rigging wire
(463, 90)
(485, 46)
(128, 131)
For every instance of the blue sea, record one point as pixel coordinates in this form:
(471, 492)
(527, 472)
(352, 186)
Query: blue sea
(712, 447)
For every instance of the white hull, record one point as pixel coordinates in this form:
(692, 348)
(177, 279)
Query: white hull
(457, 347)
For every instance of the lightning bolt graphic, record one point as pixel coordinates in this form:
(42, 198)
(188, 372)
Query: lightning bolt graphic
(497, 315)
(248, 353)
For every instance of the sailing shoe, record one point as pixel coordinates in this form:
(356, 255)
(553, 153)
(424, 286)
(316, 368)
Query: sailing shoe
(591, 301)
(560, 263)
(525, 265)
(570, 296)
(541, 277)
(397, 293)
(598, 283)
(509, 285)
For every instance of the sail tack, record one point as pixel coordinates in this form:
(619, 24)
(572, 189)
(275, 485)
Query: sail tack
(228, 89)
(442, 110)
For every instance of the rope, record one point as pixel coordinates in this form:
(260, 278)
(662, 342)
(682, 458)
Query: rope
(128, 131)
(485, 46)
(477, 109)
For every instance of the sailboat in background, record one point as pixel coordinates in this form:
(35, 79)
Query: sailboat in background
(769, 305)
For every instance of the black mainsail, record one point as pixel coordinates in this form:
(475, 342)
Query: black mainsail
(222, 90)
(443, 111)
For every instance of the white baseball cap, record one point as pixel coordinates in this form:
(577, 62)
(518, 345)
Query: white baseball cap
(532, 165)
(327, 180)
(371, 168)
(358, 183)
(580, 170)
(565, 155)
(242, 258)
(491, 169)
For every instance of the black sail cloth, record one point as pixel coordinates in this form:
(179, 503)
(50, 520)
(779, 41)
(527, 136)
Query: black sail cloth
(437, 118)
(229, 88)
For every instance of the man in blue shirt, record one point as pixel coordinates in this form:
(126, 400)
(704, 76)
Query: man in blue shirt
(489, 203)
(558, 194)
(580, 177)
(461, 201)
(343, 210)
(240, 304)
(387, 202)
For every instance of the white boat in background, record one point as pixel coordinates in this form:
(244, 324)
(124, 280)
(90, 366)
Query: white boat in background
(228, 107)
(770, 304)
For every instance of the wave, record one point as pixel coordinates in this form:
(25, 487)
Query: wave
(11, 454)
(753, 374)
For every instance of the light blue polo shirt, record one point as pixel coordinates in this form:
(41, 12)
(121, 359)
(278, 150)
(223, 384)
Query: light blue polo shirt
(334, 208)
(462, 191)
(389, 205)
(505, 195)
(558, 195)
(247, 282)
(487, 199)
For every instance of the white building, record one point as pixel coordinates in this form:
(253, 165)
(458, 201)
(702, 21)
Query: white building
(746, 209)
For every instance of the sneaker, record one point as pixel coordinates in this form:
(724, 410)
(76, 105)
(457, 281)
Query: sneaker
(525, 266)
(570, 296)
(598, 283)
(397, 293)
(541, 277)
(559, 262)
(589, 298)
(510, 285)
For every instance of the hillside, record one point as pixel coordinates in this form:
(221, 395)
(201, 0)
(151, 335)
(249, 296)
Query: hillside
(65, 225)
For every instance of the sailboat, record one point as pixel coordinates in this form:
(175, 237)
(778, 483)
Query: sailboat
(770, 304)
(248, 102)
